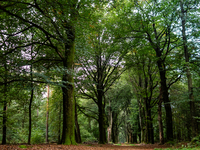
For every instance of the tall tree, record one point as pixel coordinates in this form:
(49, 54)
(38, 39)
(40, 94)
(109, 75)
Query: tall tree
(153, 21)
(185, 7)
(31, 98)
(53, 23)
(143, 77)
(100, 69)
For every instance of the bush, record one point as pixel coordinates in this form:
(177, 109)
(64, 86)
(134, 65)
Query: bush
(37, 137)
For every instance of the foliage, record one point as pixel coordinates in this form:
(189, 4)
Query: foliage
(124, 56)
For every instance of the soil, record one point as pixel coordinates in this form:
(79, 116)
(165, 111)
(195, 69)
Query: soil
(84, 147)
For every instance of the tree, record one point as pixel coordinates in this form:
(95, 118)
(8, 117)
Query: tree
(153, 22)
(119, 97)
(185, 7)
(56, 34)
(100, 69)
(142, 74)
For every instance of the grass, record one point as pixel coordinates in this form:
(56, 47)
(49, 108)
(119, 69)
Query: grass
(183, 148)
(131, 145)
(118, 144)
(23, 146)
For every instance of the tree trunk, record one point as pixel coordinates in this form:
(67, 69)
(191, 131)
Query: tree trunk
(101, 104)
(165, 96)
(101, 120)
(139, 128)
(77, 130)
(188, 73)
(147, 132)
(161, 136)
(141, 113)
(151, 128)
(109, 129)
(68, 134)
(115, 131)
(47, 115)
(30, 118)
(4, 121)
(59, 123)
(134, 137)
(5, 106)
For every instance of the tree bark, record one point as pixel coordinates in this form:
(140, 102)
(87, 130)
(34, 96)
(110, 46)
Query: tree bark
(4, 131)
(115, 131)
(101, 119)
(165, 96)
(30, 118)
(68, 134)
(4, 121)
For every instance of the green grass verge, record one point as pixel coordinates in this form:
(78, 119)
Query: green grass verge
(23, 146)
(185, 148)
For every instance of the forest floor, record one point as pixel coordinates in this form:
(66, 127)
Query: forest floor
(84, 147)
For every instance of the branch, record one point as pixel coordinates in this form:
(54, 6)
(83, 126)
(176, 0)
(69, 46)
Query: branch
(79, 108)
(173, 82)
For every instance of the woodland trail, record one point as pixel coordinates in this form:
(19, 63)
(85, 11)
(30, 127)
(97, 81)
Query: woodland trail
(84, 147)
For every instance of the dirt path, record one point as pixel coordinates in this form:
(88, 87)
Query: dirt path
(83, 147)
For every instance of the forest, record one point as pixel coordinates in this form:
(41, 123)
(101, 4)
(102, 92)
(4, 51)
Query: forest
(104, 71)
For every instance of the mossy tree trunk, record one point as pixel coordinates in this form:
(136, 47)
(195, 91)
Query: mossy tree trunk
(68, 134)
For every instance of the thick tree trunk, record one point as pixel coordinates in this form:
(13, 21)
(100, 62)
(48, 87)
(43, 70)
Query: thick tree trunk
(188, 73)
(165, 96)
(149, 126)
(115, 131)
(102, 125)
(68, 134)
(101, 104)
